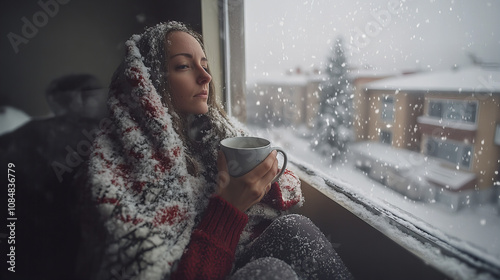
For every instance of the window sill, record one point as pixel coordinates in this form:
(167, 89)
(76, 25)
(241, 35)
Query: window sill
(436, 255)
(426, 120)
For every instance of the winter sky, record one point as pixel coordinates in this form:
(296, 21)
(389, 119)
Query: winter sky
(387, 35)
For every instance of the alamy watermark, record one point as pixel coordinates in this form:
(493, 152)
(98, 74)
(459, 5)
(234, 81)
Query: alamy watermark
(39, 19)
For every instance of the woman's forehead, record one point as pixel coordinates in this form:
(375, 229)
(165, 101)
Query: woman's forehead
(179, 41)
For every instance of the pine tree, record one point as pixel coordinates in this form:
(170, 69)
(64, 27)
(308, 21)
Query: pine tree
(333, 124)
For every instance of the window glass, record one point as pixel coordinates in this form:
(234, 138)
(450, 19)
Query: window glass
(454, 110)
(450, 151)
(386, 137)
(373, 95)
(388, 109)
(436, 109)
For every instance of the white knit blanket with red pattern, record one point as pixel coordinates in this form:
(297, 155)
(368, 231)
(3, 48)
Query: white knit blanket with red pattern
(147, 201)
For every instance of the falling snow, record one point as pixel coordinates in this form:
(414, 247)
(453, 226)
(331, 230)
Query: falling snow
(383, 41)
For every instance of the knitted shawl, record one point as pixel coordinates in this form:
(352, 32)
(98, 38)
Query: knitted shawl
(138, 181)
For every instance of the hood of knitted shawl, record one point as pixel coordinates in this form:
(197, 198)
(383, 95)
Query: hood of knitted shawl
(138, 176)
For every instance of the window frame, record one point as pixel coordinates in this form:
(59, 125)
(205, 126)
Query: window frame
(415, 239)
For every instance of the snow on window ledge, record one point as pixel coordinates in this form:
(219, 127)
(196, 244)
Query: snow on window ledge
(452, 257)
(447, 123)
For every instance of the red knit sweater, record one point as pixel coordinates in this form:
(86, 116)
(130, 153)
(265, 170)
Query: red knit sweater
(210, 253)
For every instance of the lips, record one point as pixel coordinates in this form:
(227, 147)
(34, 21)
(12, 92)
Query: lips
(202, 94)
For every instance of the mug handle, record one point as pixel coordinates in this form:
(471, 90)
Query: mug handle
(278, 149)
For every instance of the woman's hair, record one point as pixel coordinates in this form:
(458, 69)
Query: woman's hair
(153, 46)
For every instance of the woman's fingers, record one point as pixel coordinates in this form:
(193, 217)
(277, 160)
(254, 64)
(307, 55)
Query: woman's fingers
(243, 192)
(221, 162)
(271, 173)
(265, 166)
(222, 174)
(268, 188)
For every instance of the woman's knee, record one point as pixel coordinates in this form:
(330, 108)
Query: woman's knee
(293, 220)
(295, 224)
(265, 268)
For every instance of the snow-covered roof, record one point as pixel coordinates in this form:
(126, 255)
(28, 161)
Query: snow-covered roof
(397, 158)
(452, 179)
(371, 73)
(289, 79)
(470, 79)
(409, 162)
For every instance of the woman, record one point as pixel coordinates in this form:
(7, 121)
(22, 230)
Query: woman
(167, 207)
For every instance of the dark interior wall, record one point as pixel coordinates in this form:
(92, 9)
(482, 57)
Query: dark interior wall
(44, 39)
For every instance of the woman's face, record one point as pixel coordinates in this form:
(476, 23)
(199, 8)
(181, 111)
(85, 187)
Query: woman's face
(187, 73)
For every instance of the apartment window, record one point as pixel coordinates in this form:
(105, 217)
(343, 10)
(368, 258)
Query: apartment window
(330, 50)
(453, 152)
(436, 109)
(388, 109)
(453, 110)
(386, 137)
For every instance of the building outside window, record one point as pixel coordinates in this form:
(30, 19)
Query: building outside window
(410, 124)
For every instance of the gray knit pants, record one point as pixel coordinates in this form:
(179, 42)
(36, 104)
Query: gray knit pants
(291, 247)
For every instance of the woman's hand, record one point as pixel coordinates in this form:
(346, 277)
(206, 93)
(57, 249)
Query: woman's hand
(247, 190)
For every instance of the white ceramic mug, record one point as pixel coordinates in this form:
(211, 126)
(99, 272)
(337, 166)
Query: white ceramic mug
(244, 153)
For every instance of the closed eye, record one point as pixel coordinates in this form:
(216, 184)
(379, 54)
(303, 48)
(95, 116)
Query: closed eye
(182, 67)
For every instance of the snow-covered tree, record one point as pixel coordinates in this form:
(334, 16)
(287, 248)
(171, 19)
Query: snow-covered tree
(334, 121)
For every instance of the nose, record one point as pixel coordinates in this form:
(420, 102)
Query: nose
(203, 76)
